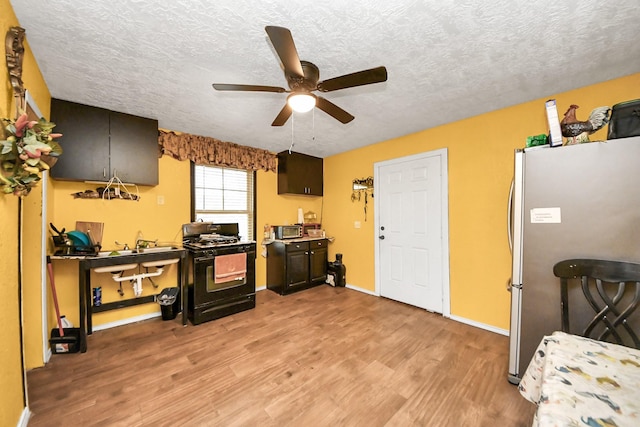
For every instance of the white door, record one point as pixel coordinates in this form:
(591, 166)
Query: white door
(412, 232)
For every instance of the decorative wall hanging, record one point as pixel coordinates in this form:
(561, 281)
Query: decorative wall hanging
(29, 148)
(14, 50)
(362, 188)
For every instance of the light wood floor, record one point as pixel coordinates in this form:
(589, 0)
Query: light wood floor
(322, 357)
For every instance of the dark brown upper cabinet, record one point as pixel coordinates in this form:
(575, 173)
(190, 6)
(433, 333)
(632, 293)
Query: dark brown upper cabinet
(98, 144)
(299, 174)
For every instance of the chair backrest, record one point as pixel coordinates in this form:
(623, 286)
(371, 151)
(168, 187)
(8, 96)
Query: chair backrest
(611, 304)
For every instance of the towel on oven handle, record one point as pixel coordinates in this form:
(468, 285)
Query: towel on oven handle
(230, 267)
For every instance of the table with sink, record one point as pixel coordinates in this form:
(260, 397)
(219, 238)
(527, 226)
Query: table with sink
(113, 261)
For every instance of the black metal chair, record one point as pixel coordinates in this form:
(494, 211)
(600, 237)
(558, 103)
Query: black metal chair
(611, 319)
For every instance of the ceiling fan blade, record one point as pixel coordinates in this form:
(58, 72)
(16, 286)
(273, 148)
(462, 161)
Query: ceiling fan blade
(283, 116)
(249, 88)
(283, 43)
(333, 110)
(360, 78)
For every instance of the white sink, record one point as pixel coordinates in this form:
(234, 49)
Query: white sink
(160, 263)
(156, 249)
(120, 252)
(115, 268)
(115, 252)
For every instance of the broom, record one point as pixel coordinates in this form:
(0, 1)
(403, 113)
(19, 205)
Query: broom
(64, 347)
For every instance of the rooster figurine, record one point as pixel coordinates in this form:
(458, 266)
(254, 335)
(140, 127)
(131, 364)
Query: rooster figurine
(577, 132)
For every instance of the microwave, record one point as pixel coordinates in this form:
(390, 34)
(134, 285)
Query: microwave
(309, 226)
(287, 231)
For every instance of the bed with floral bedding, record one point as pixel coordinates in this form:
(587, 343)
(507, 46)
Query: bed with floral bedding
(577, 381)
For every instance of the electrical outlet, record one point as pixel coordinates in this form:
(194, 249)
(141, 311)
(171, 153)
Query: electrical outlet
(356, 224)
(161, 200)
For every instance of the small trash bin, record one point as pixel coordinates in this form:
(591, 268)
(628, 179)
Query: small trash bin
(169, 300)
(68, 343)
(337, 272)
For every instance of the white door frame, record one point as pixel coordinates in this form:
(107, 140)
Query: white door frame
(444, 203)
(46, 352)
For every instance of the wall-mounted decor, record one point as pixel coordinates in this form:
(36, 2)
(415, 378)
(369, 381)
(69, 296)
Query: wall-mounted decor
(29, 148)
(362, 188)
(14, 50)
(26, 149)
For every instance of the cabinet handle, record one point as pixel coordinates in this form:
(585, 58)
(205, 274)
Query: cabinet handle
(312, 253)
(104, 172)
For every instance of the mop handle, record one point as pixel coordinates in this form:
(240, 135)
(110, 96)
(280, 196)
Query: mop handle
(54, 295)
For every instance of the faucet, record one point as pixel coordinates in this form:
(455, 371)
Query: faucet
(142, 243)
(125, 246)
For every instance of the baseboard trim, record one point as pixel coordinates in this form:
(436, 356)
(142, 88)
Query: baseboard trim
(24, 418)
(364, 291)
(484, 326)
(469, 322)
(455, 318)
(126, 321)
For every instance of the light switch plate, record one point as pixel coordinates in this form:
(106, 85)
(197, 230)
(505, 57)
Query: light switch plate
(356, 224)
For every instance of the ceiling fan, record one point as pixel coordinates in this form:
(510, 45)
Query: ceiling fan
(302, 78)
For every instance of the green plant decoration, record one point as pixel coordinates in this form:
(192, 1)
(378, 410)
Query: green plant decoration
(29, 148)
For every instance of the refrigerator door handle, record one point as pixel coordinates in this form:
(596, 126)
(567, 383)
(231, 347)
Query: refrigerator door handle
(517, 219)
(510, 227)
(510, 217)
(516, 228)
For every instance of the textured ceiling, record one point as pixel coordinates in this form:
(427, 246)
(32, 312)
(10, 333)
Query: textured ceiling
(446, 60)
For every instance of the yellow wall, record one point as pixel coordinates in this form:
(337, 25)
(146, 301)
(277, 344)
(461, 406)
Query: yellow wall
(273, 209)
(480, 153)
(123, 220)
(11, 390)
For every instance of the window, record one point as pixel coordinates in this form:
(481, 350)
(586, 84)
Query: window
(223, 195)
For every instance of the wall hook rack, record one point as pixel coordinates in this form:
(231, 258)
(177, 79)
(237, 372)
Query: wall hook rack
(362, 187)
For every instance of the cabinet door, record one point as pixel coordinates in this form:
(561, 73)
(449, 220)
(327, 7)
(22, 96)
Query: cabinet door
(314, 177)
(134, 148)
(318, 261)
(299, 174)
(84, 141)
(297, 268)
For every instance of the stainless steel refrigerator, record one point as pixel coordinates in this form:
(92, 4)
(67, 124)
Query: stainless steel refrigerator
(579, 201)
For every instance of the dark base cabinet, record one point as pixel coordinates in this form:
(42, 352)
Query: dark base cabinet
(296, 265)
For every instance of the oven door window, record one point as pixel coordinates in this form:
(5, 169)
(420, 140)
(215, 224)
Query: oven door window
(227, 271)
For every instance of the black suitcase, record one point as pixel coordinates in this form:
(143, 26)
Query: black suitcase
(625, 120)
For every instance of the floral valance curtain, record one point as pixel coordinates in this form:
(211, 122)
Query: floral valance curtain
(204, 150)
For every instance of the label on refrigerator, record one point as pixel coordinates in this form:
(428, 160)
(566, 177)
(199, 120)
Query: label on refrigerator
(546, 216)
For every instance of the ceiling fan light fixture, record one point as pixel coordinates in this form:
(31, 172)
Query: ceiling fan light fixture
(301, 102)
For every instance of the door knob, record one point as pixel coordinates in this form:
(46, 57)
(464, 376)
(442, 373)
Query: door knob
(381, 237)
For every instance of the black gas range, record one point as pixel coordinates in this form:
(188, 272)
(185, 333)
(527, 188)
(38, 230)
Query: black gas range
(221, 271)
